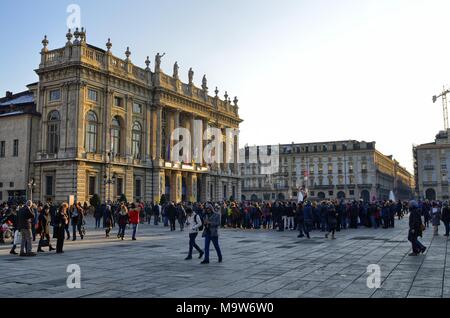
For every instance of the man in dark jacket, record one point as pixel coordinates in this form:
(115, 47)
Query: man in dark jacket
(308, 218)
(300, 220)
(25, 219)
(171, 211)
(415, 229)
(155, 210)
(211, 232)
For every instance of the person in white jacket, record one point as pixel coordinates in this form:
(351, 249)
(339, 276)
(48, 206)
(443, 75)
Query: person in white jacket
(193, 224)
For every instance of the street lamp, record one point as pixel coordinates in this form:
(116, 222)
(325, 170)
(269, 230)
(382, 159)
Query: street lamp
(107, 178)
(31, 184)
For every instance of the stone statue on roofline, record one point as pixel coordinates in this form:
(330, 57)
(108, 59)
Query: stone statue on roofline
(191, 76)
(158, 61)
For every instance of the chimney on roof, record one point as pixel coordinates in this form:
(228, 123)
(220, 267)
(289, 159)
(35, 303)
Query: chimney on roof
(9, 94)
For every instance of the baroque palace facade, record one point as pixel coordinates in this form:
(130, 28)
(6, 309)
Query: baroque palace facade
(328, 170)
(106, 124)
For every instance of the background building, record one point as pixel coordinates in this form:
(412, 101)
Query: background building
(18, 121)
(106, 125)
(431, 162)
(339, 169)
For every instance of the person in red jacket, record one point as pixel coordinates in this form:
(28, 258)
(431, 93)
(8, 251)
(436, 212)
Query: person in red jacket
(134, 219)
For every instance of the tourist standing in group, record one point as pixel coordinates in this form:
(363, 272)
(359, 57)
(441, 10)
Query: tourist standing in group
(134, 219)
(61, 221)
(109, 219)
(74, 213)
(44, 229)
(12, 218)
(194, 224)
(416, 228)
(25, 219)
(98, 215)
(426, 209)
(435, 218)
(331, 220)
(211, 232)
(122, 220)
(156, 208)
(307, 218)
(171, 212)
(446, 217)
(300, 220)
(181, 216)
(323, 208)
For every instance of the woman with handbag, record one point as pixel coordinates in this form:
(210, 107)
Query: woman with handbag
(61, 221)
(43, 229)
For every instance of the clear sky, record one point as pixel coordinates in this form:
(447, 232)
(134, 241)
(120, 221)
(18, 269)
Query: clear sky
(303, 70)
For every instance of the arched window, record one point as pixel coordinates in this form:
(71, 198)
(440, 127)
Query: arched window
(115, 135)
(53, 132)
(136, 138)
(91, 132)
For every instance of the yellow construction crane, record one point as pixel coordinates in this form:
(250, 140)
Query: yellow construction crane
(444, 105)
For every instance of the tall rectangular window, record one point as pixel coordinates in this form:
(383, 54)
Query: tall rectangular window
(137, 188)
(2, 149)
(92, 183)
(1, 196)
(92, 95)
(119, 186)
(16, 148)
(55, 95)
(49, 185)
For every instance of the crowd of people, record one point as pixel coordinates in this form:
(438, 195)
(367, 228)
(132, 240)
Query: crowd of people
(30, 220)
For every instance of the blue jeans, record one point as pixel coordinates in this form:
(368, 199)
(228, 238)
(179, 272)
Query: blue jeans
(121, 230)
(256, 223)
(344, 222)
(97, 222)
(215, 241)
(323, 224)
(135, 226)
(156, 219)
(193, 245)
(373, 221)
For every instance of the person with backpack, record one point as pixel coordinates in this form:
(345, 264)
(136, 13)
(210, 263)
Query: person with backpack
(194, 223)
(181, 216)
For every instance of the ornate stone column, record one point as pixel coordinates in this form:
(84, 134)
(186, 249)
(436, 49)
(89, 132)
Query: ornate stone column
(106, 147)
(128, 125)
(169, 143)
(157, 129)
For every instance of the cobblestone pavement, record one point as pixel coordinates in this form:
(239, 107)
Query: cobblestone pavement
(257, 264)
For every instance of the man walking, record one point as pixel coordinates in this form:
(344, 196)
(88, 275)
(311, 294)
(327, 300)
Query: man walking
(25, 219)
(211, 232)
